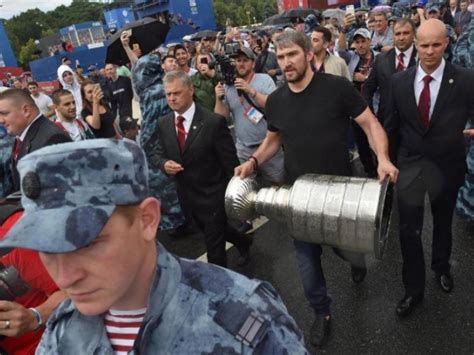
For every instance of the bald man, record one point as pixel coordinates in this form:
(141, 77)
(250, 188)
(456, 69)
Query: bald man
(430, 105)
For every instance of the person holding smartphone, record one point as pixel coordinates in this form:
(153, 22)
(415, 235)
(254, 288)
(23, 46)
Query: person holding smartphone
(204, 81)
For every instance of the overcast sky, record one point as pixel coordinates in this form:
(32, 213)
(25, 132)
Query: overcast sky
(10, 8)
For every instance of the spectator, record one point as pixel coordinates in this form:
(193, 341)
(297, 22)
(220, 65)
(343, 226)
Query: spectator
(96, 112)
(324, 62)
(68, 81)
(204, 82)
(250, 128)
(168, 63)
(67, 116)
(43, 101)
(266, 62)
(182, 58)
(6, 146)
(120, 89)
(382, 37)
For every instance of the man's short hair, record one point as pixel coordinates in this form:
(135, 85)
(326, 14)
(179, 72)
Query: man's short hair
(34, 83)
(180, 46)
(58, 94)
(178, 75)
(167, 56)
(327, 35)
(406, 21)
(18, 96)
(292, 37)
(381, 13)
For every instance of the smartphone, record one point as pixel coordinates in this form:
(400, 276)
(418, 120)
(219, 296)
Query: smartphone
(129, 31)
(204, 61)
(350, 10)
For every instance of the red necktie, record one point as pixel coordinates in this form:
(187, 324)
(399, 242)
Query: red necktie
(181, 132)
(424, 102)
(401, 65)
(16, 150)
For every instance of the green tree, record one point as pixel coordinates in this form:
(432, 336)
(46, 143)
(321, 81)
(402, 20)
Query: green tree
(26, 52)
(241, 12)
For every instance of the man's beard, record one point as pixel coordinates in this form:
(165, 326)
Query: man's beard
(299, 75)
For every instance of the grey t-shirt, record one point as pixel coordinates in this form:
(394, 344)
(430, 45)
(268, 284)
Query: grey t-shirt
(246, 132)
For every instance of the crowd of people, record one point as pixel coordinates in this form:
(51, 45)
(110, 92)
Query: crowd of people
(389, 85)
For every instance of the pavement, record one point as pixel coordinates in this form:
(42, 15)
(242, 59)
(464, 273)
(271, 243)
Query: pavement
(364, 319)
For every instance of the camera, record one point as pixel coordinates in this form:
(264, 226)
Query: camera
(232, 49)
(12, 285)
(225, 68)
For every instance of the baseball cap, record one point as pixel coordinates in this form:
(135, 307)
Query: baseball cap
(70, 190)
(247, 52)
(92, 68)
(364, 32)
(433, 8)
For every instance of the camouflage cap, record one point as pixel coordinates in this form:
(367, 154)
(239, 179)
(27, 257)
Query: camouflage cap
(70, 190)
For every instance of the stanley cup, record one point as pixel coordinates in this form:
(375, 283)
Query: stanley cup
(345, 212)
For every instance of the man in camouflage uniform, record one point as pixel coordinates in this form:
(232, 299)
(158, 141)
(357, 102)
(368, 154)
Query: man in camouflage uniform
(6, 146)
(147, 78)
(464, 56)
(88, 212)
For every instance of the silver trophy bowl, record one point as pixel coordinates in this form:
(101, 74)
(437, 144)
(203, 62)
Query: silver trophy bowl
(345, 212)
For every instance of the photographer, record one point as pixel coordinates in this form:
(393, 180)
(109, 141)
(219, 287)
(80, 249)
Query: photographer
(23, 316)
(246, 101)
(204, 81)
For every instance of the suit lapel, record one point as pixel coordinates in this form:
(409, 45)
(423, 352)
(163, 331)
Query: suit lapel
(30, 136)
(444, 92)
(391, 62)
(194, 129)
(413, 57)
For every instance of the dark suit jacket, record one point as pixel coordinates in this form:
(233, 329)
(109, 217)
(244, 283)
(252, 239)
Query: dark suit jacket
(379, 78)
(41, 133)
(209, 158)
(441, 145)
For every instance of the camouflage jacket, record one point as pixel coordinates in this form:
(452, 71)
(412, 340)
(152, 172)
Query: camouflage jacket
(464, 49)
(147, 78)
(193, 308)
(6, 146)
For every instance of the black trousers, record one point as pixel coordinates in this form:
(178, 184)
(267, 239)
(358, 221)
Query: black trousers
(217, 231)
(367, 158)
(442, 195)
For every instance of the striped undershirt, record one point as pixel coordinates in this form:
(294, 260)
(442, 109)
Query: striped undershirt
(122, 328)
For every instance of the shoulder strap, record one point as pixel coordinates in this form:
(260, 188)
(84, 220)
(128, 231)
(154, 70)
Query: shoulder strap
(250, 101)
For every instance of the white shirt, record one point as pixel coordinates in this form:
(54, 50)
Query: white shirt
(25, 131)
(191, 71)
(435, 84)
(43, 102)
(188, 118)
(73, 130)
(406, 58)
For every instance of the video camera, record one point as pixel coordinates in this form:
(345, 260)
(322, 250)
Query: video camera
(12, 285)
(224, 64)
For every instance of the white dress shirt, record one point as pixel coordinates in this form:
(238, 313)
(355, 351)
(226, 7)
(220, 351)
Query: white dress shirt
(406, 58)
(188, 118)
(435, 84)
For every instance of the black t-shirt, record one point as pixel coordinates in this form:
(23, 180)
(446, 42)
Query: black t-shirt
(106, 129)
(314, 124)
(121, 96)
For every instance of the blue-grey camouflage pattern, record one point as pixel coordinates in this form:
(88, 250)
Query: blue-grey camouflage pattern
(465, 201)
(464, 49)
(70, 190)
(147, 78)
(448, 53)
(193, 308)
(6, 146)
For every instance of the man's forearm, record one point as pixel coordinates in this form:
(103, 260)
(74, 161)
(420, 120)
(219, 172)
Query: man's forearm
(220, 108)
(269, 147)
(378, 140)
(261, 99)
